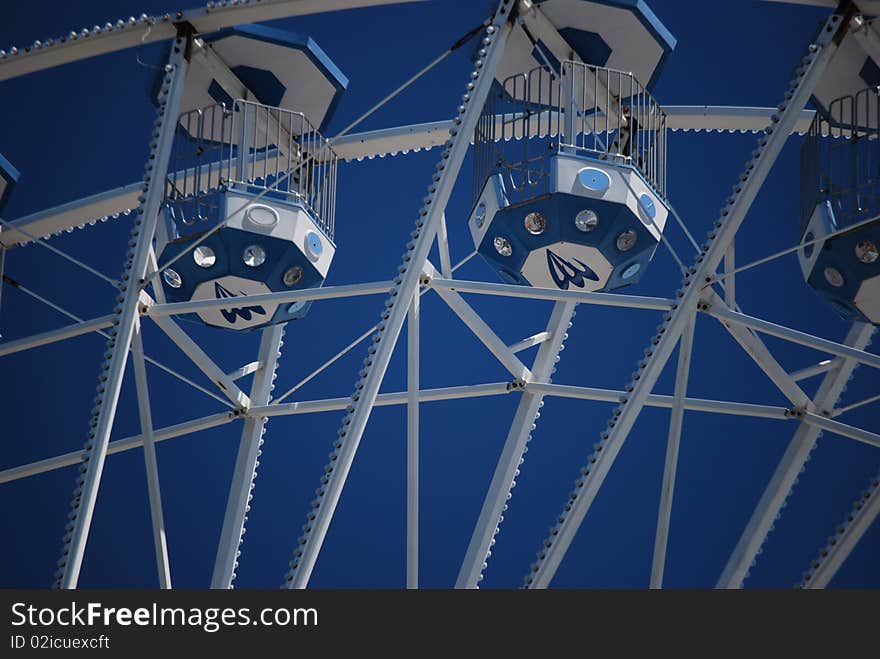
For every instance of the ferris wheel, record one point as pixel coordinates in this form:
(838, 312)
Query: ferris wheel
(236, 224)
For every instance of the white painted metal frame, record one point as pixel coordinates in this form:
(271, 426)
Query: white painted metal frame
(249, 450)
(361, 146)
(507, 469)
(205, 364)
(793, 461)
(845, 538)
(769, 146)
(685, 349)
(86, 494)
(160, 543)
(533, 384)
(412, 443)
(407, 284)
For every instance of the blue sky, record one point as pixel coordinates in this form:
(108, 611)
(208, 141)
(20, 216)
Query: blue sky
(83, 128)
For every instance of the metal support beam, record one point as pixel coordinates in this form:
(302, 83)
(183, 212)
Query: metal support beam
(530, 341)
(854, 406)
(802, 338)
(842, 429)
(406, 285)
(86, 492)
(507, 469)
(811, 371)
(52, 336)
(160, 544)
(535, 293)
(793, 461)
(685, 349)
(323, 293)
(845, 538)
(119, 446)
(661, 400)
(770, 144)
(757, 350)
(201, 359)
(730, 282)
(485, 334)
(412, 444)
(443, 248)
(245, 370)
(241, 490)
(383, 400)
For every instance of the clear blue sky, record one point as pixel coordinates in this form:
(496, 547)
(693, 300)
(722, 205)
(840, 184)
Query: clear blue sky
(83, 128)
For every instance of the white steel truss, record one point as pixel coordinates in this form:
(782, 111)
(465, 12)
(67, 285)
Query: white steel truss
(416, 276)
(732, 215)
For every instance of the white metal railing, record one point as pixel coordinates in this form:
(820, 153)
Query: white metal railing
(840, 160)
(253, 148)
(581, 109)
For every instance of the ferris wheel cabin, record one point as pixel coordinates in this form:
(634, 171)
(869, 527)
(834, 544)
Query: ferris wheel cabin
(840, 185)
(250, 195)
(570, 150)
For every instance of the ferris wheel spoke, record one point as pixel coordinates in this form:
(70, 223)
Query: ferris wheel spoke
(785, 476)
(685, 349)
(201, 359)
(249, 450)
(406, 285)
(386, 399)
(157, 311)
(755, 348)
(83, 327)
(845, 538)
(817, 369)
(118, 446)
(734, 408)
(443, 248)
(529, 342)
(730, 276)
(67, 257)
(506, 471)
(53, 336)
(160, 544)
(485, 334)
(842, 429)
(356, 341)
(770, 144)
(412, 442)
(537, 293)
(837, 411)
(795, 336)
(110, 383)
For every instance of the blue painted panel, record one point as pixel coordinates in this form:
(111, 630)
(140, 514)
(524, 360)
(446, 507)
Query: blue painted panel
(264, 84)
(870, 73)
(590, 46)
(560, 210)
(219, 94)
(839, 253)
(228, 245)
